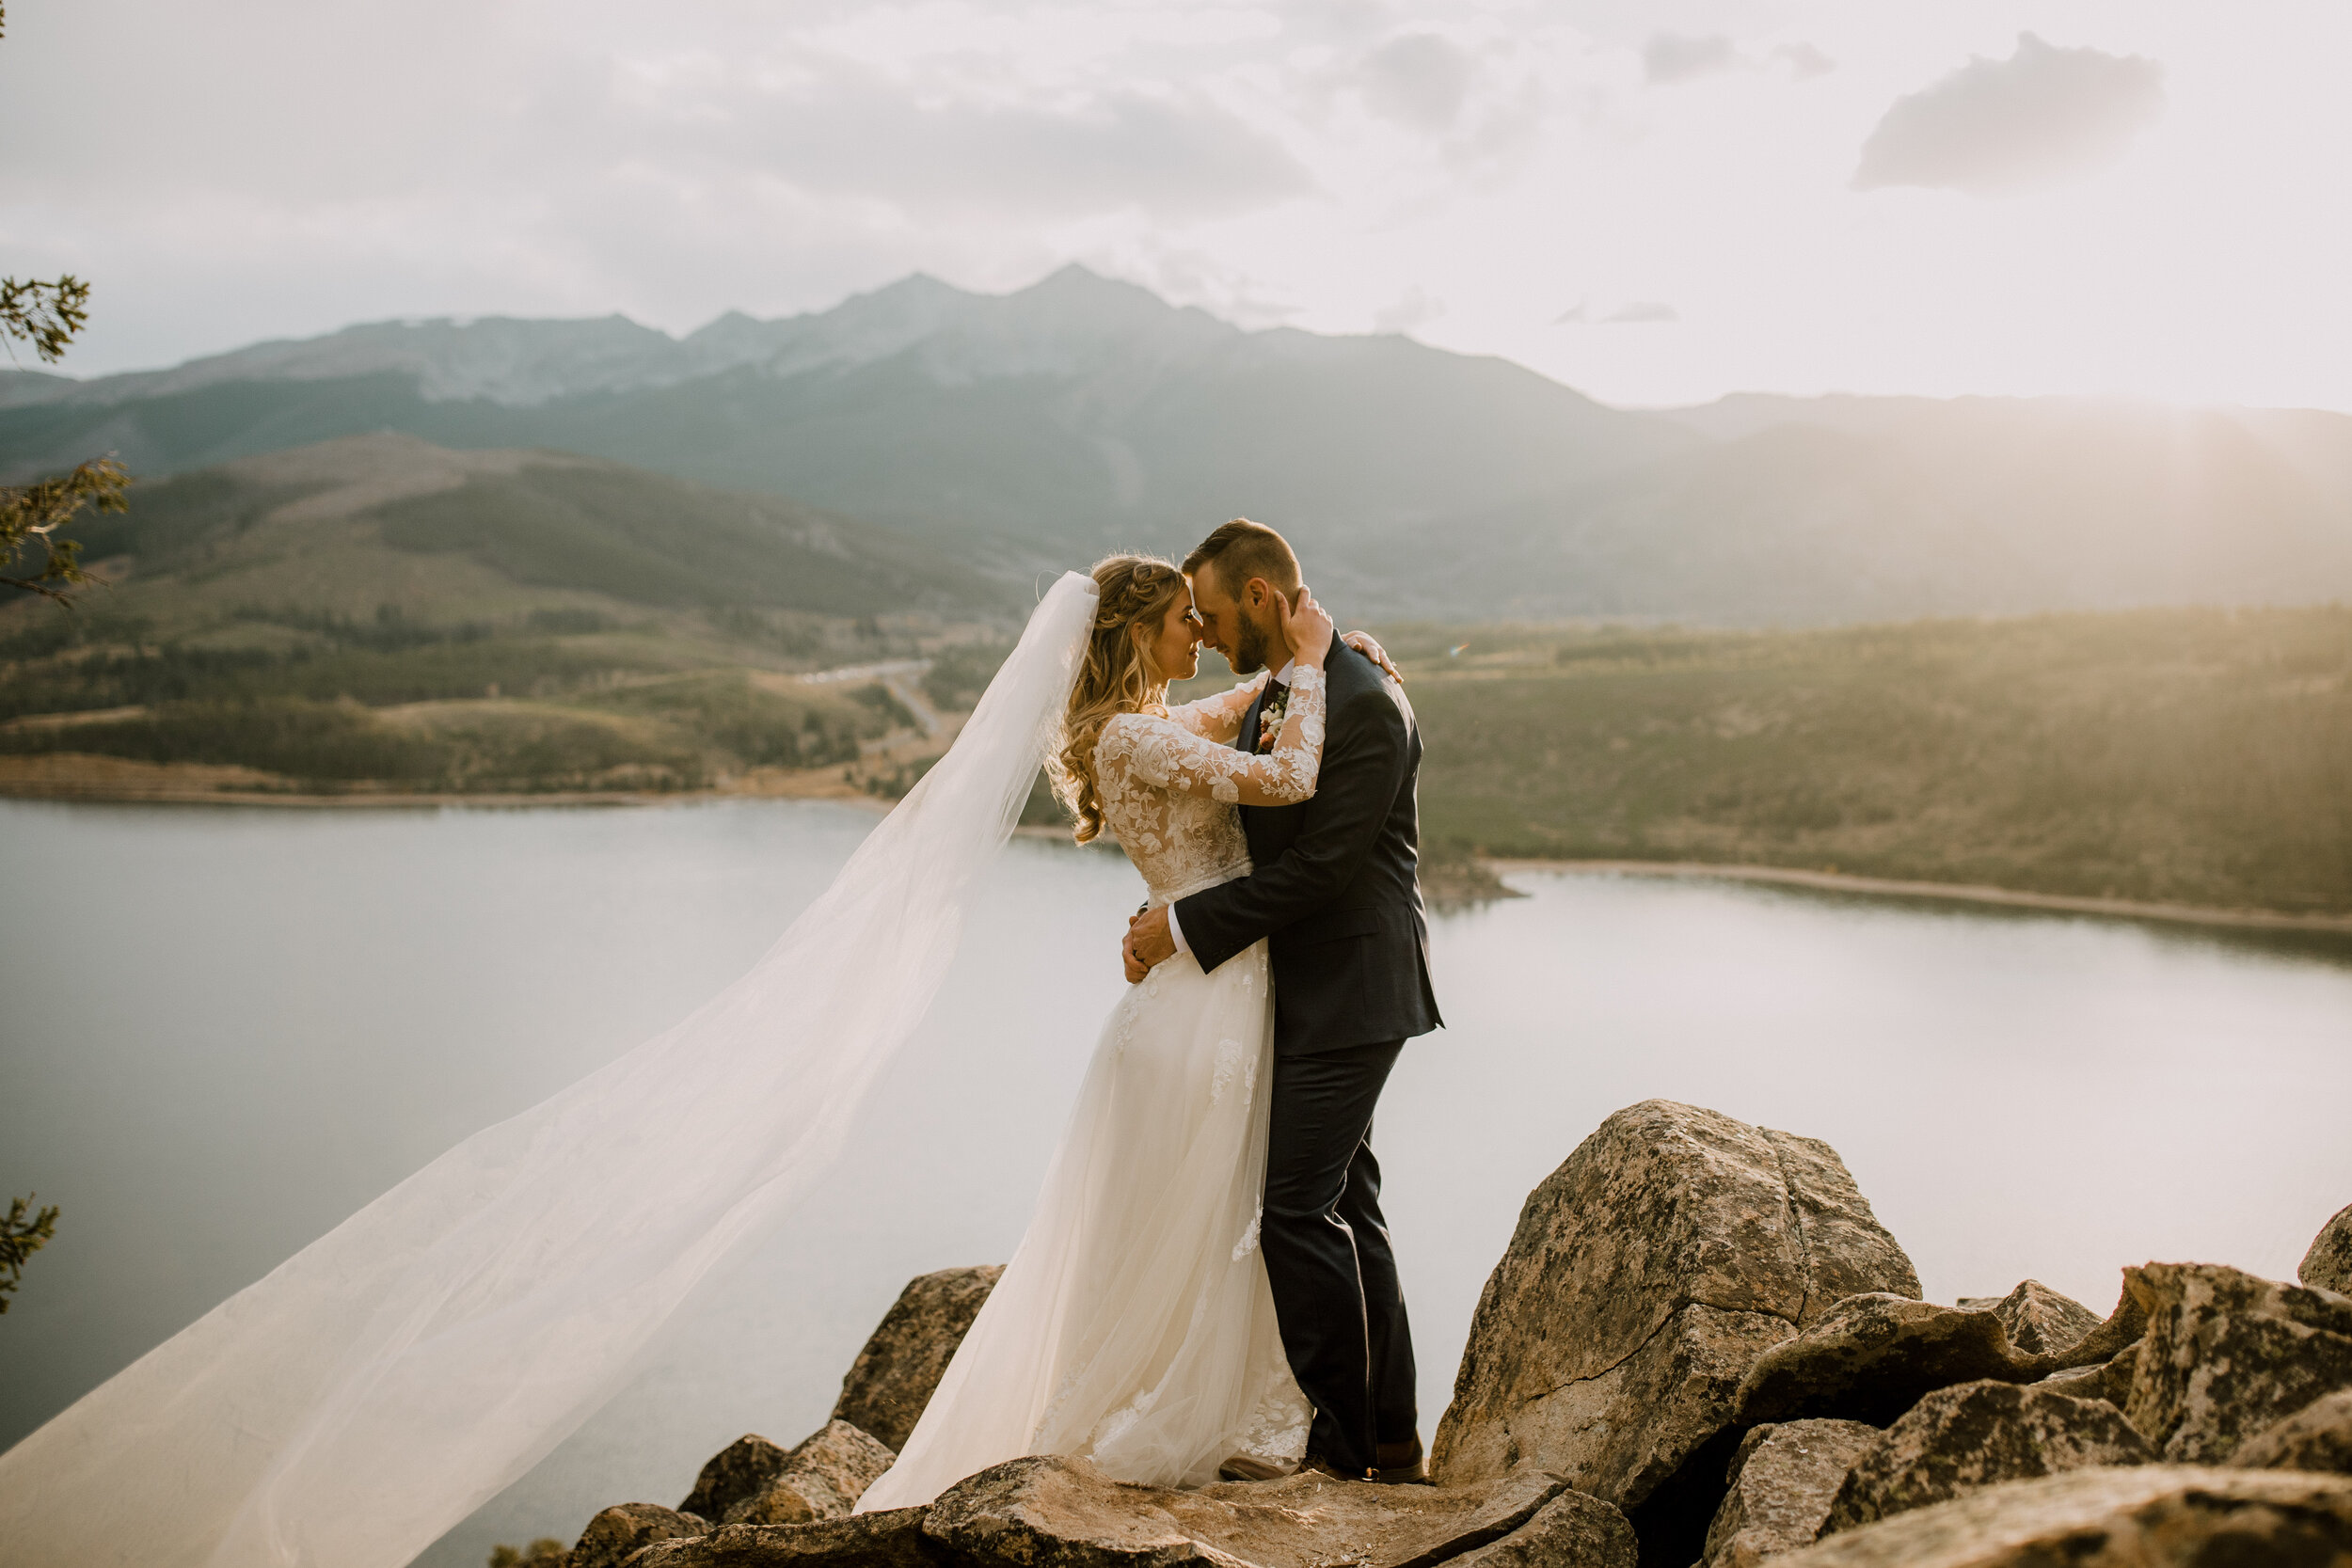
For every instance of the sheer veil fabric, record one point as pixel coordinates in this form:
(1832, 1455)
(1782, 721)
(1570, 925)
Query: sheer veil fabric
(348, 1408)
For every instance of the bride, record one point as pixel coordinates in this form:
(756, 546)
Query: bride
(380, 1385)
(1133, 1325)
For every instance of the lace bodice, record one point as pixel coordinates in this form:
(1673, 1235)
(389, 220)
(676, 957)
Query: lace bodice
(1170, 783)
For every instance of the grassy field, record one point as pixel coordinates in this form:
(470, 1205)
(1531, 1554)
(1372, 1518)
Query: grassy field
(2189, 756)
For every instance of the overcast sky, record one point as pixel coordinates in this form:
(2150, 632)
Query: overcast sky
(1655, 202)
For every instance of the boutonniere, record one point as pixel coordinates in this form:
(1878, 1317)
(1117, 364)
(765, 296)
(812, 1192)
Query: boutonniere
(1270, 719)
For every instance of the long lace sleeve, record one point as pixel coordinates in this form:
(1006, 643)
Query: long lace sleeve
(1219, 716)
(1168, 756)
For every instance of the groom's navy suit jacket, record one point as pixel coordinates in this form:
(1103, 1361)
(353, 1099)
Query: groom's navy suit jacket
(1334, 887)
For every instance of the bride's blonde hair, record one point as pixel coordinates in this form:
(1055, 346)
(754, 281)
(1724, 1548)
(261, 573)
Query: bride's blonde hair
(1115, 675)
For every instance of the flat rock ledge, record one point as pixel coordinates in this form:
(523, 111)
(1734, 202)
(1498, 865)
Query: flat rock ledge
(2148, 1516)
(1054, 1512)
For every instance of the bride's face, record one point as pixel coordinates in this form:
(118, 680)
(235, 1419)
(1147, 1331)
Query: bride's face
(1174, 649)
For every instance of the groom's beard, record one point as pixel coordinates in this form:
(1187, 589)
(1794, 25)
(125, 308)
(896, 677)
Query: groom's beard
(1250, 650)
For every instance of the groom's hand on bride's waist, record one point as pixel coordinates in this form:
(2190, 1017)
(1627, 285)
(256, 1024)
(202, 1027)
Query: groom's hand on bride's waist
(1148, 943)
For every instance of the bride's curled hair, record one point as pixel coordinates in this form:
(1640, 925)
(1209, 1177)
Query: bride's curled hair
(1114, 675)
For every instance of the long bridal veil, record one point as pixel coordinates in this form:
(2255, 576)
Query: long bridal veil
(375, 1388)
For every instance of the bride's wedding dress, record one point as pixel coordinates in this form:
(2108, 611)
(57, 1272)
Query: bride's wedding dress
(377, 1386)
(1133, 1325)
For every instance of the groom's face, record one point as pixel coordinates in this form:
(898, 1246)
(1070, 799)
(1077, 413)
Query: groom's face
(1241, 626)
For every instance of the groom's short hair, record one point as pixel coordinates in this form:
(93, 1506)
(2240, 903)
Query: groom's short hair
(1243, 549)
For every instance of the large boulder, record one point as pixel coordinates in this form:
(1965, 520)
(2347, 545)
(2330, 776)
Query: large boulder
(1979, 1434)
(892, 1539)
(1056, 1512)
(1647, 1273)
(2316, 1437)
(822, 1479)
(2328, 1265)
(1573, 1530)
(2038, 1321)
(2145, 1516)
(619, 1533)
(735, 1474)
(1783, 1480)
(894, 1376)
(2229, 1354)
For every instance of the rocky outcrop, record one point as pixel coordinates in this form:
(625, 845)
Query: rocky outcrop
(2146, 1516)
(822, 1479)
(1873, 1358)
(2327, 1266)
(2109, 1380)
(1573, 1530)
(1979, 1434)
(2316, 1437)
(2037, 1320)
(2229, 1354)
(619, 1533)
(892, 1377)
(1058, 1513)
(894, 1539)
(1783, 1480)
(735, 1474)
(1647, 1273)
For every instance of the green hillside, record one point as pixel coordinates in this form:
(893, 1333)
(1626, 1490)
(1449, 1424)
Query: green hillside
(2183, 756)
(379, 613)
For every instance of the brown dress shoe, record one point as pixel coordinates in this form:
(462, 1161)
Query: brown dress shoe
(1402, 1464)
(1248, 1466)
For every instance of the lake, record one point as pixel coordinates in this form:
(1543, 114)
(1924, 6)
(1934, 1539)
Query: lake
(226, 1028)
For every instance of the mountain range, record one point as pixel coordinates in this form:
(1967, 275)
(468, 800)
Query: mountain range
(1036, 430)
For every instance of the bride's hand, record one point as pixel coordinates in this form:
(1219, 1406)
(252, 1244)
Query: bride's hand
(1363, 644)
(1306, 629)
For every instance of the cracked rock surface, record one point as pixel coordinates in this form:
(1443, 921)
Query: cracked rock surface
(1573, 1530)
(1783, 1480)
(2328, 1265)
(822, 1479)
(1669, 1251)
(895, 1375)
(2316, 1437)
(2146, 1516)
(2229, 1354)
(1979, 1434)
(619, 1533)
(2038, 1321)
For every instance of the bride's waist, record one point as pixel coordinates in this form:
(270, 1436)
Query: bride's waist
(1228, 873)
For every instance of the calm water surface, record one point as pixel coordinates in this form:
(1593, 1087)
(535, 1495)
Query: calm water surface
(224, 1030)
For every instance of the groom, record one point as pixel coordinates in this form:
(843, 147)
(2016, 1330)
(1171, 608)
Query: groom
(1334, 891)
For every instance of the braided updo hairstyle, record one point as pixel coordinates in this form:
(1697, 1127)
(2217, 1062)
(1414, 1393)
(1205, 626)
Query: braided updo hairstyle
(1114, 677)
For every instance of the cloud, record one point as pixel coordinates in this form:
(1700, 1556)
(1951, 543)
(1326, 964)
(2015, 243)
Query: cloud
(1419, 80)
(2043, 115)
(1669, 58)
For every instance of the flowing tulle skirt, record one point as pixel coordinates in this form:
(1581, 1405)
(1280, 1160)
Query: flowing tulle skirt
(1133, 1325)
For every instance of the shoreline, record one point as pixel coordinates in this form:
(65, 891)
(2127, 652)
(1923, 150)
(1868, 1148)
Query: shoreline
(1957, 892)
(144, 789)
